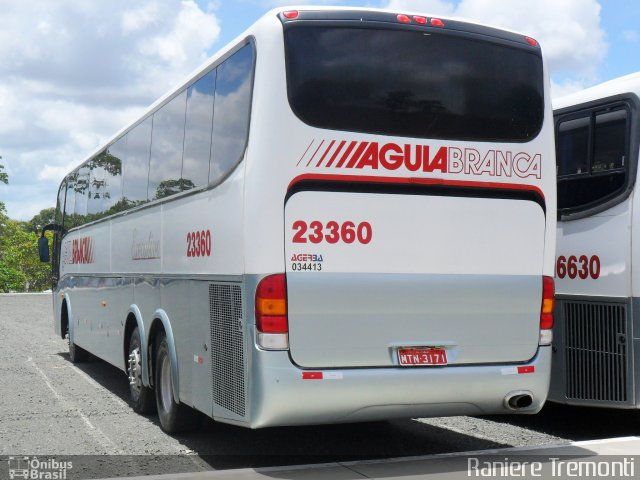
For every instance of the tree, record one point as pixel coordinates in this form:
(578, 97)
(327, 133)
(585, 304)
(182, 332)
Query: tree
(4, 177)
(20, 266)
(12, 279)
(41, 219)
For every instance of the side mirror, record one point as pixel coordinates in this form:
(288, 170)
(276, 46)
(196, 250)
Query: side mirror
(43, 248)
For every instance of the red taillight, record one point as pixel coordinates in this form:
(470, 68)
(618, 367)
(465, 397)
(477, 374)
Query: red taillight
(548, 304)
(531, 41)
(420, 20)
(290, 14)
(271, 304)
(404, 18)
(436, 22)
(272, 324)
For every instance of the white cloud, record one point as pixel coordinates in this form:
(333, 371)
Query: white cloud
(139, 18)
(435, 7)
(192, 32)
(566, 87)
(631, 36)
(74, 72)
(283, 3)
(569, 30)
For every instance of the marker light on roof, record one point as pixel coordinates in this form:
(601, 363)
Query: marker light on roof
(531, 41)
(404, 19)
(436, 22)
(290, 14)
(420, 20)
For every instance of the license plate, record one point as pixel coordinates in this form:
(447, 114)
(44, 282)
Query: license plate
(422, 356)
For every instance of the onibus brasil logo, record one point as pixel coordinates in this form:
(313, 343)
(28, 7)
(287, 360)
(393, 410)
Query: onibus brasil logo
(36, 469)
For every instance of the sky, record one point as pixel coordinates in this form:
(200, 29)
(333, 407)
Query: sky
(74, 72)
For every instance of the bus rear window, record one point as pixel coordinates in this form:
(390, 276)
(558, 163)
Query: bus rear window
(413, 84)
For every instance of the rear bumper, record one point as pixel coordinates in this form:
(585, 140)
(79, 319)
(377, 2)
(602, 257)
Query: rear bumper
(281, 396)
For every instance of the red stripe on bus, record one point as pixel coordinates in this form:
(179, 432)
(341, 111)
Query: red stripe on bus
(325, 153)
(346, 154)
(357, 154)
(315, 153)
(305, 153)
(335, 154)
(416, 181)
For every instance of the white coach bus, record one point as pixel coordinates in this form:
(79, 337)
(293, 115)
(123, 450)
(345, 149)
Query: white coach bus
(597, 333)
(345, 215)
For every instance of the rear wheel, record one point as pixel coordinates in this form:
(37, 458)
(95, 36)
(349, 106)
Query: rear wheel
(142, 400)
(174, 417)
(76, 354)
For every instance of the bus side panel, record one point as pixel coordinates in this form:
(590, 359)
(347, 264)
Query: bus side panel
(202, 264)
(200, 234)
(635, 367)
(593, 339)
(90, 291)
(596, 254)
(635, 301)
(135, 255)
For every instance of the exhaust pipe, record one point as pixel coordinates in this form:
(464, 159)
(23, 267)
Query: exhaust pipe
(518, 400)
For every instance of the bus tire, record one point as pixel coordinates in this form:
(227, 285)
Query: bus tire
(174, 417)
(76, 354)
(141, 397)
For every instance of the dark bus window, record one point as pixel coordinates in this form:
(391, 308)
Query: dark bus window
(610, 141)
(136, 165)
(105, 185)
(167, 141)
(231, 112)
(592, 152)
(573, 146)
(411, 84)
(197, 136)
(114, 164)
(70, 197)
(97, 183)
(57, 234)
(82, 193)
(60, 204)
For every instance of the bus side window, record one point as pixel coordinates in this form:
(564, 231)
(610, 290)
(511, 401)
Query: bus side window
(610, 141)
(113, 164)
(70, 197)
(57, 235)
(82, 193)
(231, 112)
(97, 188)
(591, 154)
(136, 165)
(105, 185)
(573, 146)
(167, 142)
(197, 136)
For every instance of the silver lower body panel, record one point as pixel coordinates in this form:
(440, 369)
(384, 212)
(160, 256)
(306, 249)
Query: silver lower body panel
(281, 396)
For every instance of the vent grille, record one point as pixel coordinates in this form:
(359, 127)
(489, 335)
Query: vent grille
(596, 351)
(227, 347)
